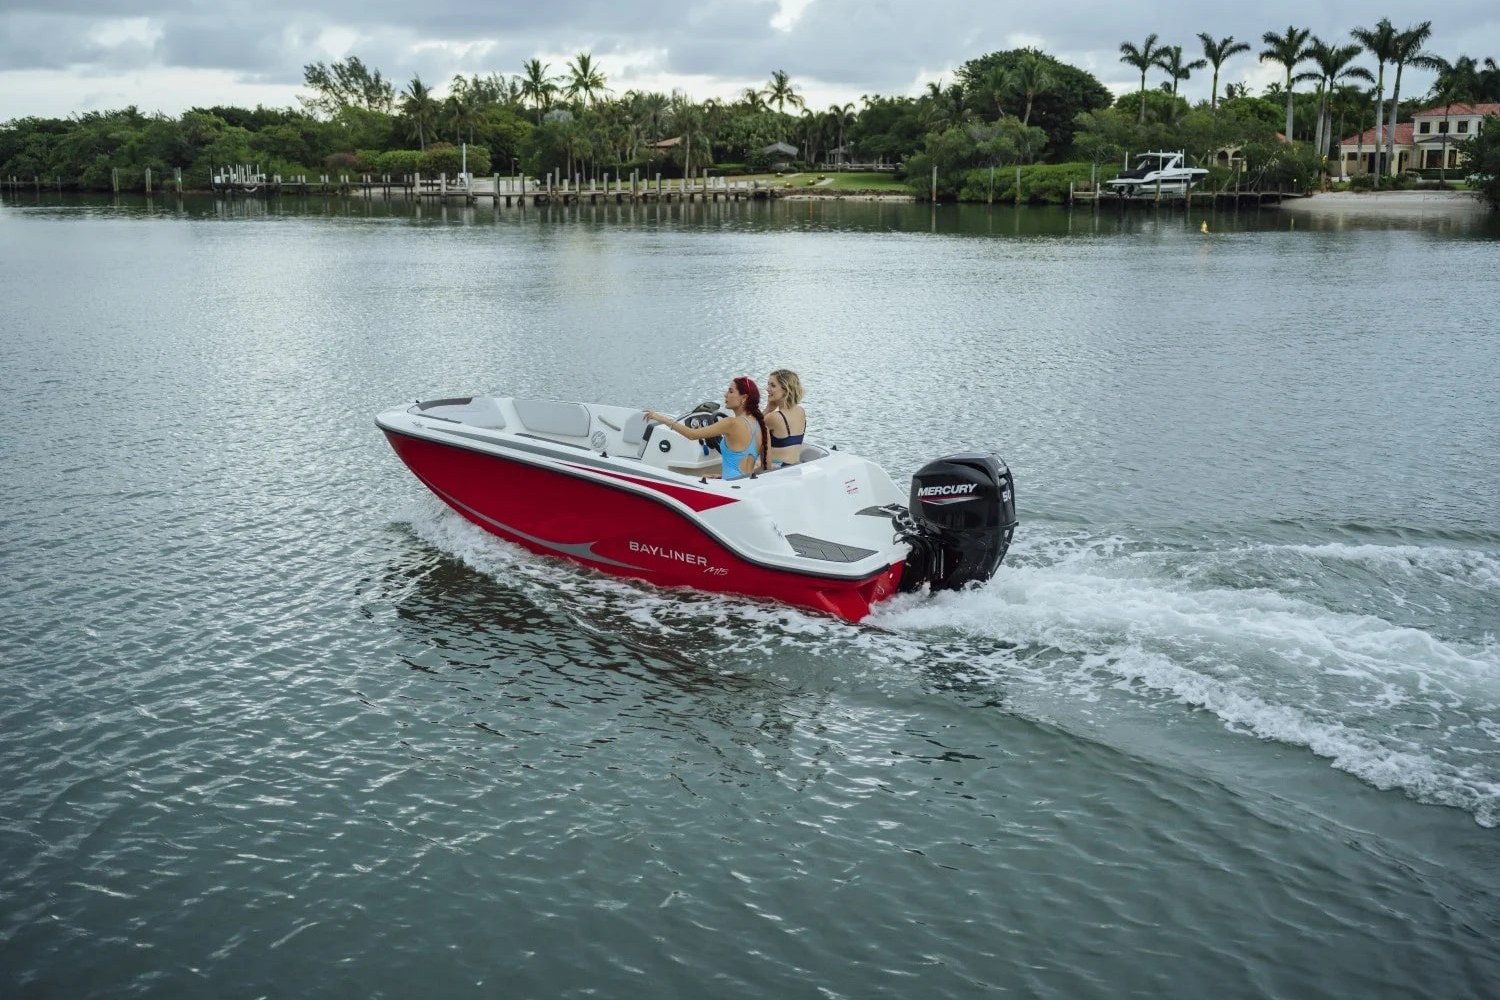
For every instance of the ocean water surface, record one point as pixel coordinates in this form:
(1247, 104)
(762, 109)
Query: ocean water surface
(275, 722)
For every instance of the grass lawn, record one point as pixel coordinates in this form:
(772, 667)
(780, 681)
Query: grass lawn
(871, 181)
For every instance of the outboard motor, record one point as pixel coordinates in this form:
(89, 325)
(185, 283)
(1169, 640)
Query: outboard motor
(960, 522)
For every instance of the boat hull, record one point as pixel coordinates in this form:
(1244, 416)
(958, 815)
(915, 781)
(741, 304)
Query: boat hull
(622, 525)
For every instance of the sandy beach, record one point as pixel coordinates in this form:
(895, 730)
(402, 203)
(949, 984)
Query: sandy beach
(1388, 203)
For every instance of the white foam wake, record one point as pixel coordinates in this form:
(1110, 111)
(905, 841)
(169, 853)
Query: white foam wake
(1086, 617)
(1393, 704)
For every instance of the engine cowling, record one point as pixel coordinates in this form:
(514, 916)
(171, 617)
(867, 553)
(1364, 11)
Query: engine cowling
(961, 518)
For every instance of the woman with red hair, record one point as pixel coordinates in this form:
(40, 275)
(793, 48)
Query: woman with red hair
(745, 448)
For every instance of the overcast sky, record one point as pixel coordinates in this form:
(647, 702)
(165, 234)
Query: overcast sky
(60, 57)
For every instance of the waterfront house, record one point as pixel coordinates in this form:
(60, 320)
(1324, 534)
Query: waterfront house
(1420, 144)
(780, 155)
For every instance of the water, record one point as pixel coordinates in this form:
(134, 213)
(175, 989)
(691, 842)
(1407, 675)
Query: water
(274, 722)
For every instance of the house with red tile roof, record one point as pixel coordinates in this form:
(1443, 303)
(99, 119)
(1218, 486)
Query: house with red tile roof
(1429, 141)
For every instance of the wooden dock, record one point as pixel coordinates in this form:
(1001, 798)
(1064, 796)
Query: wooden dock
(1092, 195)
(497, 189)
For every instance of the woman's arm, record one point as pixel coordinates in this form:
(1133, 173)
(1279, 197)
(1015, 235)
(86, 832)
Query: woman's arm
(724, 425)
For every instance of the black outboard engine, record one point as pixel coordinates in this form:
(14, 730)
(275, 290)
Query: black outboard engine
(960, 522)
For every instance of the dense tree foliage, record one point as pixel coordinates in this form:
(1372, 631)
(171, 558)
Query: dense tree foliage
(995, 82)
(1482, 160)
(985, 133)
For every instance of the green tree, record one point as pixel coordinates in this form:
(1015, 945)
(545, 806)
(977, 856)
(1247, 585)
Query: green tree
(1407, 52)
(781, 92)
(1289, 51)
(1489, 81)
(842, 113)
(1143, 59)
(1169, 59)
(537, 87)
(1381, 43)
(1216, 54)
(950, 152)
(687, 121)
(888, 129)
(585, 81)
(1482, 158)
(346, 83)
(1461, 76)
(989, 83)
(420, 109)
(460, 110)
(1107, 135)
(1029, 77)
(1335, 64)
(1456, 82)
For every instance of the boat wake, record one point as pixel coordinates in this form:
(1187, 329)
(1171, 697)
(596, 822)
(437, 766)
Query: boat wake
(1333, 648)
(1326, 647)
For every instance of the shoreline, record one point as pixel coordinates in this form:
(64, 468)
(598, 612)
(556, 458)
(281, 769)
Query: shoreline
(1388, 203)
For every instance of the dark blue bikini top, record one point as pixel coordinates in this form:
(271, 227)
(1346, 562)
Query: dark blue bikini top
(790, 439)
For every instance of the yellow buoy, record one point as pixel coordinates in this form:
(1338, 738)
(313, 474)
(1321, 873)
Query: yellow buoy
(1203, 228)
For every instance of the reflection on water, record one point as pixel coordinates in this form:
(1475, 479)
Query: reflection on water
(797, 214)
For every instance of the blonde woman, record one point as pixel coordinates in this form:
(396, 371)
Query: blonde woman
(785, 418)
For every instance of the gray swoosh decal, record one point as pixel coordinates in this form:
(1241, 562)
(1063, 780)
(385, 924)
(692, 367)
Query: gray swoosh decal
(578, 550)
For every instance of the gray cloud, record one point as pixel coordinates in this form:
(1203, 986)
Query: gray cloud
(863, 46)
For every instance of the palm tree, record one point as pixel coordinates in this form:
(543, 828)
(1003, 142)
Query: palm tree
(782, 92)
(585, 79)
(1170, 60)
(1289, 50)
(1346, 102)
(842, 113)
(753, 100)
(537, 86)
(1461, 75)
(811, 129)
(1142, 58)
(1029, 76)
(687, 119)
(1381, 42)
(1217, 54)
(1489, 81)
(1408, 51)
(996, 84)
(461, 109)
(1333, 65)
(418, 105)
(1456, 81)
(649, 109)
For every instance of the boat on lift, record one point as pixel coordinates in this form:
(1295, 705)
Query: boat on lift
(1157, 173)
(603, 486)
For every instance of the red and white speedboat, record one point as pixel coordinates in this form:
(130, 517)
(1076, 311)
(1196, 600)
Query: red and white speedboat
(604, 487)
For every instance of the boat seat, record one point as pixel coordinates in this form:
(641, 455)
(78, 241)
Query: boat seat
(481, 411)
(633, 434)
(811, 453)
(545, 416)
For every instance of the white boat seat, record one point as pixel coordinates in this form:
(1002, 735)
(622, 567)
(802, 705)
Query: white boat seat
(481, 411)
(634, 433)
(544, 416)
(811, 453)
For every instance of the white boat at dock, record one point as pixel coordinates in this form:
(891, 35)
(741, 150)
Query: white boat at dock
(1156, 174)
